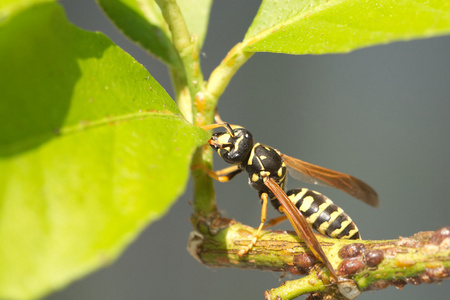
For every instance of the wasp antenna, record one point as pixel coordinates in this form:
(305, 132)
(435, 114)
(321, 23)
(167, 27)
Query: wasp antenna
(225, 125)
(229, 129)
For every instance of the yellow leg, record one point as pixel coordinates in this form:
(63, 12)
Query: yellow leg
(226, 171)
(275, 221)
(220, 175)
(255, 238)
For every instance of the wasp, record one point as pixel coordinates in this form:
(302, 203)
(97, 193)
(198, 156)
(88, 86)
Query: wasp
(305, 209)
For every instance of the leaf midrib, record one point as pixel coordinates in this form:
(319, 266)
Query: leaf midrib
(114, 120)
(316, 10)
(85, 125)
(301, 15)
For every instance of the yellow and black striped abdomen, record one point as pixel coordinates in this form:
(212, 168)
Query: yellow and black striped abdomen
(323, 215)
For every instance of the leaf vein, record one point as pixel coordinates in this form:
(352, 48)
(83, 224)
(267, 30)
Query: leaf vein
(115, 120)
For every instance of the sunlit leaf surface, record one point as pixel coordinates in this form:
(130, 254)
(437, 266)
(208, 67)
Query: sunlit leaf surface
(92, 149)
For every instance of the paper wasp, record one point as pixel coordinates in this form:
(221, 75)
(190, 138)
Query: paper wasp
(267, 169)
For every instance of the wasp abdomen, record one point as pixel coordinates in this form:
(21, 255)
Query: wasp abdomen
(323, 215)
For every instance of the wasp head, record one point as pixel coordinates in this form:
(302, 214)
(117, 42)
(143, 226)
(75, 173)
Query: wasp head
(234, 146)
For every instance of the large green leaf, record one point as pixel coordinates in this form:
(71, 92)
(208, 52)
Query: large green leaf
(330, 26)
(143, 22)
(91, 150)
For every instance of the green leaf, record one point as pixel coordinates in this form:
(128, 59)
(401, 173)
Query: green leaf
(331, 26)
(143, 22)
(8, 7)
(92, 149)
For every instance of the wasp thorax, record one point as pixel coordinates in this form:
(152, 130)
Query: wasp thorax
(233, 148)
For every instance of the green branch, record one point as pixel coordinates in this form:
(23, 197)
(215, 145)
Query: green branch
(221, 76)
(188, 49)
(193, 101)
(197, 100)
(372, 265)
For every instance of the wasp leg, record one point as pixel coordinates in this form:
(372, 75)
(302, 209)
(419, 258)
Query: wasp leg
(275, 221)
(245, 250)
(223, 175)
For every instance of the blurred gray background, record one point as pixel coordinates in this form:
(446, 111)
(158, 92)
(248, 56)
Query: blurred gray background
(381, 114)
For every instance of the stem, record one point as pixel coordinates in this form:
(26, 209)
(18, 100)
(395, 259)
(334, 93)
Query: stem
(200, 103)
(372, 265)
(177, 26)
(182, 94)
(221, 76)
(295, 288)
(188, 49)
(201, 107)
(205, 103)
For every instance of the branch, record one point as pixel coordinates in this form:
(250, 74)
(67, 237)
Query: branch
(372, 265)
(222, 74)
(193, 101)
(188, 48)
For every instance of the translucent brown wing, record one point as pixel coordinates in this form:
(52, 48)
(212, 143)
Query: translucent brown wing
(299, 223)
(310, 173)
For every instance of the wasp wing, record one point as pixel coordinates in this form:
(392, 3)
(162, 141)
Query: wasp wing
(310, 173)
(298, 221)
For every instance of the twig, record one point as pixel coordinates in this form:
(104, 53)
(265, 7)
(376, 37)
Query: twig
(373, 265)
(193, 101)
(222, 74)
